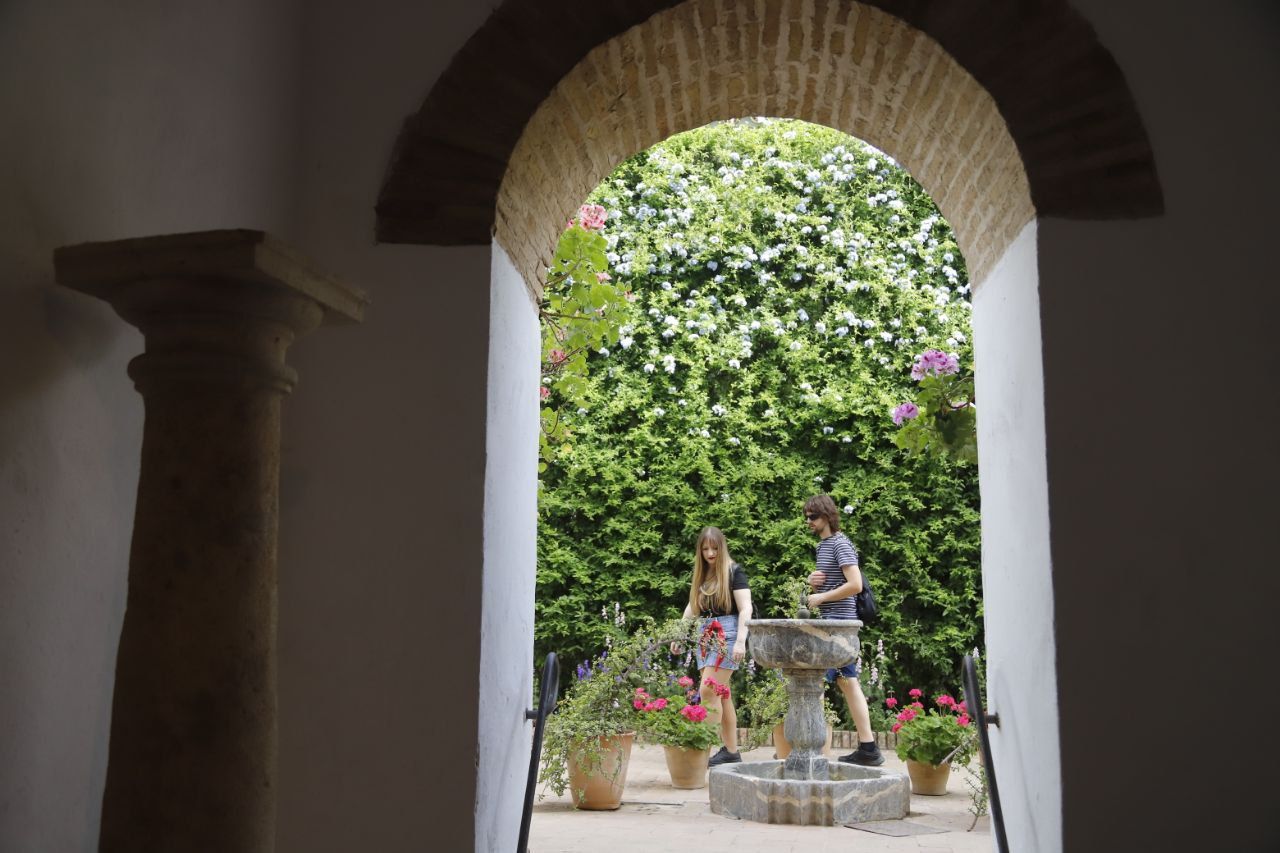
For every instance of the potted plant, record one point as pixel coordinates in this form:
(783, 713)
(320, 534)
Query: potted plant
(930, 740)
(587, 744)
(678, 722)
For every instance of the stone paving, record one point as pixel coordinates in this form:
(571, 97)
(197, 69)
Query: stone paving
(655, 816)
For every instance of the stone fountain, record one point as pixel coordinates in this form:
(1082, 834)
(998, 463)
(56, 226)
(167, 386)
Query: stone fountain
(806, 788)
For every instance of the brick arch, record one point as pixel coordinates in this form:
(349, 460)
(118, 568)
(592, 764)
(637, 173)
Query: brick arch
(1001, 110)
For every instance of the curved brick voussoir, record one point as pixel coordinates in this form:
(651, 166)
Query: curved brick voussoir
(1002, 110)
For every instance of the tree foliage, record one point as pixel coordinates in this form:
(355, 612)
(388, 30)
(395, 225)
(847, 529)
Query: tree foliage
(784, 278)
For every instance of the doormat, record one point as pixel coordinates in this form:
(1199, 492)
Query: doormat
(896, 828)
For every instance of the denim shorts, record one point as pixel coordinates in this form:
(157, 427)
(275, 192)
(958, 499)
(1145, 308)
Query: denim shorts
(712, 652)
(850, 670)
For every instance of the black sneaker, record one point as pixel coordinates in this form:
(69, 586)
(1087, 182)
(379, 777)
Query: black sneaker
(865, 757)
(724, 756)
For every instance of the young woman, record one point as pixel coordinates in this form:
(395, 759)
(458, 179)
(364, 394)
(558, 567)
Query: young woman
(720, 598)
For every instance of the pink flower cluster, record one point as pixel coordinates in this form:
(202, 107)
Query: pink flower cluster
(935, 362)
(645, 702)
(722, 690)
(915, 709)
(694, 713)
(907, 714)
(592, 216)
(905, 412)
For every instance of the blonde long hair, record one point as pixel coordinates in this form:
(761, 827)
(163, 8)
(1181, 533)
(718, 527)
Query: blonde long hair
(710, 587)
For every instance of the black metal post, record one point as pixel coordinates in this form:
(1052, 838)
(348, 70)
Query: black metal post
(546, 701)
(973, 696)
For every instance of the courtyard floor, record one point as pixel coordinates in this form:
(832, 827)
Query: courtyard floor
(655, 816)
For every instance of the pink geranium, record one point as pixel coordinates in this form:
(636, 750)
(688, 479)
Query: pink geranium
(963, 720)
(894, 728)
(592, 216)
(945, 701)
(684, 681)
(694, 713)
(905, 412)
(891, 702)
(721, 690)
(544, 392)
(557, 356)
(915, 692)
(935, 362)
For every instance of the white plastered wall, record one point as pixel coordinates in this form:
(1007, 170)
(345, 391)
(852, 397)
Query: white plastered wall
(510, 544)
(382, 559)
(1017, 582)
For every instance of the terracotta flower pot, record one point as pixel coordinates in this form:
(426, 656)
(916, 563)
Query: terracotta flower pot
(927, 779)
(602, 790)
(688, 767)
(782, 746)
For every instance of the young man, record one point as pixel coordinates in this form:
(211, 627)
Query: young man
(835, 582)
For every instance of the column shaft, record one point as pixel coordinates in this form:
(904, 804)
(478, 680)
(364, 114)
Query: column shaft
(192, 762)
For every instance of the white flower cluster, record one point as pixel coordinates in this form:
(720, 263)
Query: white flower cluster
(712, 289)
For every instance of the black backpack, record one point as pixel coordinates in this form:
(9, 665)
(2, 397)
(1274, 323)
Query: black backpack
(866, 601)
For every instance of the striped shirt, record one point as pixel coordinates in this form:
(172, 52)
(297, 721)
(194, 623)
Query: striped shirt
(833, 552)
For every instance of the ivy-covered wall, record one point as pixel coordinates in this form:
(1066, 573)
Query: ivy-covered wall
(783, 277)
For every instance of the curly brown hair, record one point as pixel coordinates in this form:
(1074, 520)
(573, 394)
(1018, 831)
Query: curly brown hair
(825, 507)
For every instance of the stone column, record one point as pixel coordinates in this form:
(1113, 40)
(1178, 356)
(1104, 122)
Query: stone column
(192, 763)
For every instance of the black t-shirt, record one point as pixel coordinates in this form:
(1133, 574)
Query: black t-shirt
(737, 580)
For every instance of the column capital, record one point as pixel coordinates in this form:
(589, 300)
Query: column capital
(215, 307)
(108, 269)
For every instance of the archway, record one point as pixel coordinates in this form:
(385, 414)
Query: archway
(955, 96)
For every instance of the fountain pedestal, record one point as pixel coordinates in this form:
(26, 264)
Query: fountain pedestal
(805, 726)
(806, 788)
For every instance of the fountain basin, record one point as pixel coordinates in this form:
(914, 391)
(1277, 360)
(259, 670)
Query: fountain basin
(758, 791)
(804, 643)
